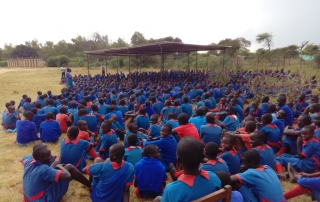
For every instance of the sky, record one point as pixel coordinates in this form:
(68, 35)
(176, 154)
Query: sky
(193, 21)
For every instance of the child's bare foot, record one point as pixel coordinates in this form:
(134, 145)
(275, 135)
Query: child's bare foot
(292, 173)
(283, 177)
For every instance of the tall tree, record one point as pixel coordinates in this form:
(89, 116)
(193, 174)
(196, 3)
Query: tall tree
(22, 51)
(266, 39)
(138, 39)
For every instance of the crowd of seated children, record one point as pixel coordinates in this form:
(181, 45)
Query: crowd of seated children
(133, 153)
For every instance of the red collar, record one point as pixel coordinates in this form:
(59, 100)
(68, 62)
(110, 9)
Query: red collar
(67, 141)
(262, 148)
(173, 120)
(189, 179)
(178, 107)
(273, 126)
(262, 168)
(222, 106)
(232, 116)
(254, 112)
(110, 132)
(301, 103)
(133, 147)
(213, 162)
(115, 166)
(49, 120)
(314, 139)
(209, 124)
(233, 152)
(143, 115)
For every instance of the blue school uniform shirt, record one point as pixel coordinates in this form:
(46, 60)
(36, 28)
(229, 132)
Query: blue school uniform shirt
(143, 121)
(231, 123)
(240, 102)
(140, 135)
(105, 142)
(266, 155)
(102, 109)
(59, 106)
(150, 111)
(73, 111)
(174, 123)
(42, 102)
(280, 124)
(91, 122)
(215, 166)
(265, 107)
(317, 132)
(273, 136)
(70, 102)
(200, 104)
(119, 116)
(148, 181)
(187, 108)
(21, 103)
(49, 108)
(263, 182)
(198, 121)
(111, 180)
(50, 131)
(46, 180)
(239, 112)
(301, 106)
(233, 160)
(26, 132)
(56, 103)
(191, 187)
(9, 120)
(154, 130)
(257, 113)
(177, 111)
(208, 103)
(74, 152)
(211, 133)
(288, 120)
(166, 110)
(27, 106)
(133, 154)
(168, 148)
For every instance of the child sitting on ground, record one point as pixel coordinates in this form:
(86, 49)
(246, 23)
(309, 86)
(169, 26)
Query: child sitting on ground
(74, 150)
(177, 109)
(211, 132)
(26, 130)
(166, 110)
(194, 183)
(150, 184)
(50, 129)
(199, 120)
(27, 105)
(231, 122)
(272, 133)
(172, 121)
(154, 130)
(256, 182)
(9, 119)
(84, 133)
(63, 119)
(213, 163)
(167, 145)
(49, 107)
(112, 179)
(273, 111)
(37, 118)
(117, 127)
(185, 128)
(52, 181)
(90, 119)
(265, 104)
(107, 139)
(133, 153)
(149, 109)
(142, 120)
(308, 155)
(133, 129)
(186, 107)
(256, 111)
(257, 139)
(230, 155)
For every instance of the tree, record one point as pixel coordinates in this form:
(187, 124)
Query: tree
(138, 39)
(22, 51)
(266, 39)
(239, 46)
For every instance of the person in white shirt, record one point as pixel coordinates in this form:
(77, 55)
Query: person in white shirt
(63, 72)
(103, 69)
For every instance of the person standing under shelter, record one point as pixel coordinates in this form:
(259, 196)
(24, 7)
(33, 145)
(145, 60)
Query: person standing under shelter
(63, 72)
(103, 70)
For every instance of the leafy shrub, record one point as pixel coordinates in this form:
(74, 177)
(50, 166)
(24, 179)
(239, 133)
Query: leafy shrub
(3, 64)
(52, 62)
(57, 61)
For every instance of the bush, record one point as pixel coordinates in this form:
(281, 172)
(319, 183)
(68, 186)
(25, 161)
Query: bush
(52, 62)
(57, 61)
(63, 60)
(3, 64)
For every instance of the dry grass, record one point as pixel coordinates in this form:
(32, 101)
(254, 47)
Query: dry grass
(14, 83)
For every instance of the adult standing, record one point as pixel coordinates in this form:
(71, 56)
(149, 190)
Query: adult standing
(63, 72)
(103, 70)
(69, 78)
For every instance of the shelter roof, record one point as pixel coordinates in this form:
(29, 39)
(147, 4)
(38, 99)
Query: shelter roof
(156, 49)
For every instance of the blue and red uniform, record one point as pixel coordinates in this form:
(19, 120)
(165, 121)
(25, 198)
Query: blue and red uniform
(233, 161)
(191, 187)
(26, 132)
(51, 109)
(260, 184)
(143, 121)
(27, 106)
(74, 152)
(168, 148)
(257, 113)
(231, 123)
(105, 142)
(187, 108)
(265, 107)
(91, 122)
(154, 130)
(215, 165)
(41, 182)
(38, 119)
(291, 142)
(239, 112)
(109, 180)
(102, 109)
(317, 132)
(311, 152)
(198, 121)
(157, 107)
(177, 111)
(149, 185)
(280, 124)
(140, 135)
(133, 154)
(266, 155)
(174, 123)
(211, 133)
(208, 103)
(9, 121)
(123, 108)
(313, 184)
(166, 110)
(288, 120)
(300, 107)
(273, 136)
(50, 131)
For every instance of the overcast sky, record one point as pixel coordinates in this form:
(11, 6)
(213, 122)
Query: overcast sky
(194, 21)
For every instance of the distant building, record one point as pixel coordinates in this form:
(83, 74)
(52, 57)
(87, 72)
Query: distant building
(25, 62)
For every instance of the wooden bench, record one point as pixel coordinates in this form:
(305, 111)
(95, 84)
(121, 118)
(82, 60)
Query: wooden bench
(223, 194)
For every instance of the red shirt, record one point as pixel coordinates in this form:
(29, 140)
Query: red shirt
(83, 135)
(63, 119)
(187, 130)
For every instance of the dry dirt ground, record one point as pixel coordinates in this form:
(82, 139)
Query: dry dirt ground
(17, 81)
